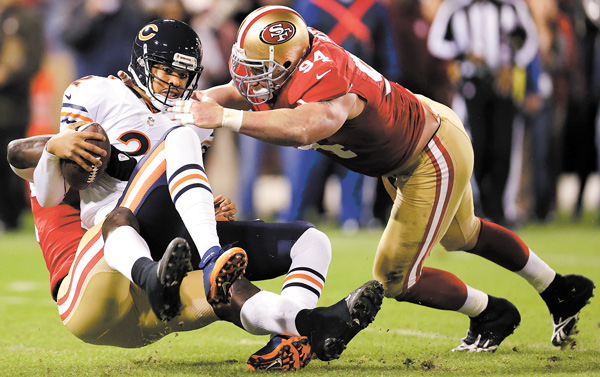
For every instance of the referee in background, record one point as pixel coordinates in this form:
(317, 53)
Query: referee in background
(491, 42)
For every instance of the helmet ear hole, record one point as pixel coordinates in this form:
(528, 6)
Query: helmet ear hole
(287, 64)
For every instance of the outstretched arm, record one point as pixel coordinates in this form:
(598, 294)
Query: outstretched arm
(296, 127)
(225, 95)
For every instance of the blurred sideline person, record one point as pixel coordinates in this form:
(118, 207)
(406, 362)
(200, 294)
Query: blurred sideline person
(310, 93)
(170, 183)
(21, 52)
(101, 306)
(488, 41)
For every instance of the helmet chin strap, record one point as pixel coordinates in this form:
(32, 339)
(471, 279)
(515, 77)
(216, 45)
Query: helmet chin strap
(270, 84)
(160, 101)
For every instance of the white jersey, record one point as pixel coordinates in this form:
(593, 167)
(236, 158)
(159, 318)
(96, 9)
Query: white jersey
(131, 124)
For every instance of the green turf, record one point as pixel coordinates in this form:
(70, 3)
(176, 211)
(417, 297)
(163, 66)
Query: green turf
(404, 339)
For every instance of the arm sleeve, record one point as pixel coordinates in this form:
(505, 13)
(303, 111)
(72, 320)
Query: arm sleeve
(441, 40)
(50, 184)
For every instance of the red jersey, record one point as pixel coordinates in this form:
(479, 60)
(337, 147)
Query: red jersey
(58, 230)
(384, 135)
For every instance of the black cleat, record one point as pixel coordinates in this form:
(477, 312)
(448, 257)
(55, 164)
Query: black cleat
(333, 327)
(171, 269)
(491, 327)
(565, 297)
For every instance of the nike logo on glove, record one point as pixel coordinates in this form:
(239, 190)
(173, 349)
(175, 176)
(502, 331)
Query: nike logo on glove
(319, 77)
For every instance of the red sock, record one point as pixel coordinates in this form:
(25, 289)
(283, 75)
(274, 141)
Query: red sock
(501, 246)
(437, 289)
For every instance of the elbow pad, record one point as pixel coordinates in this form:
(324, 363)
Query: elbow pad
(50, 184)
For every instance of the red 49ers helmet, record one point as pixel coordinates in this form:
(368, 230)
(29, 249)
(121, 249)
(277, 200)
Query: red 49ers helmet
(270, 43)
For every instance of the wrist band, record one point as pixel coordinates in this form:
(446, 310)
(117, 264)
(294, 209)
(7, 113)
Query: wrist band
(232, 119)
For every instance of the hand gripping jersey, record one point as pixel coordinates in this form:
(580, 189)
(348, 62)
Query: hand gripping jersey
(386, 133)
(132, 125)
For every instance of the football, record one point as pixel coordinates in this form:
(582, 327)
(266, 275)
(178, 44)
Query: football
(74, 174)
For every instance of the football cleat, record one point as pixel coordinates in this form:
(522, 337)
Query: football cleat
(171, 269)
(221, 269)
(491, 327)
(333, 327)
(282, 353)
(565, 297)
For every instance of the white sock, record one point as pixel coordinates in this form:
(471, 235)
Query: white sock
(537, 272)
(189, 187)
(123, 247)
(476, 302)
(311, 255)
(268, 313)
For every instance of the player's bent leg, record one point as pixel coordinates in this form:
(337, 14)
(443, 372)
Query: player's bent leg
(140, 326)
(93, 297)
(114, 312)
(421, 216)
(195, 312)
(565, 296)
(297, 250)
(126, 251)
(300, 252)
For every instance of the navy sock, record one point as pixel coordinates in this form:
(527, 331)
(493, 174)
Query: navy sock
(142, 270)
(303, 322)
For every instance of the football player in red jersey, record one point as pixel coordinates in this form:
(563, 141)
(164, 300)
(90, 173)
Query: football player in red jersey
(100, 306)
(305, 91)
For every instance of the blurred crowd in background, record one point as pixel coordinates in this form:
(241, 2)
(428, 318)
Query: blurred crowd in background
(523, 74)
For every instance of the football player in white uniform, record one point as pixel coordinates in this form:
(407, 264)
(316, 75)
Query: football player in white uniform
(165, 65)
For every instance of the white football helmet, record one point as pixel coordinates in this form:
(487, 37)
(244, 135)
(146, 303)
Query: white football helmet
(270, 43)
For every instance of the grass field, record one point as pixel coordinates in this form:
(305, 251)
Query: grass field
(404, 339)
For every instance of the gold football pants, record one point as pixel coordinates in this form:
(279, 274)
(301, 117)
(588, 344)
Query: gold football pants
(433, 203)
(101, 306)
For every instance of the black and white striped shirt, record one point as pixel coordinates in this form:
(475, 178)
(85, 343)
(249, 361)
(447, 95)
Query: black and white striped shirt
(500, 32)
